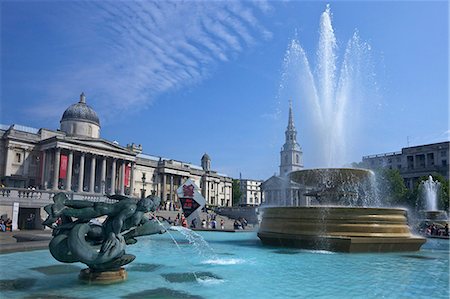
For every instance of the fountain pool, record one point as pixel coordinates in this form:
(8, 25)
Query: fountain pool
(236, 265)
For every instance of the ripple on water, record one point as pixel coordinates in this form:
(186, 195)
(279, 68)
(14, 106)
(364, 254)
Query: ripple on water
(220, 261)
(161, 293)
(143, 267)
(57, 269)
(189, 276)
(18, 284)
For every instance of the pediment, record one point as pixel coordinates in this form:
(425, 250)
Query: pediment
(102, 144)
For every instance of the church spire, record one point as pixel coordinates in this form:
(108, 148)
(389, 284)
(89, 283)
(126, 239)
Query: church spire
(291, 132)
(291, 154)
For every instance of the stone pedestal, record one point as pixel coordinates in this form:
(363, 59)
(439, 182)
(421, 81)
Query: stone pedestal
(103, 277)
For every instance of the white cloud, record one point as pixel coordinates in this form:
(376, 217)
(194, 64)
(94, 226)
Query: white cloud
(150, 47)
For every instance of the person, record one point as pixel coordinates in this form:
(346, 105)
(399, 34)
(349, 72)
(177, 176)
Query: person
(446, 229)
(2, 225)
(203, 223)
(222, 224)
(213, 224)
(8, 224)
(243, 222)
(194, 223)
(183, 221)
(237, 225)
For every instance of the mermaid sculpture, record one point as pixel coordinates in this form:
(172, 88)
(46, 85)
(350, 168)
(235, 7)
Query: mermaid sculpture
(77, 237)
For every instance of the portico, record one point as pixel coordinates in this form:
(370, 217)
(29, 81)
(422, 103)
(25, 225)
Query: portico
(81, 165)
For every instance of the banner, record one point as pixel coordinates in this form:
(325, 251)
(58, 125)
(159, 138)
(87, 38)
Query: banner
(127, 175)
(63, 167)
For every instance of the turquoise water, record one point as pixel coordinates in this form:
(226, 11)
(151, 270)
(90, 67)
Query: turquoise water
(236, 265)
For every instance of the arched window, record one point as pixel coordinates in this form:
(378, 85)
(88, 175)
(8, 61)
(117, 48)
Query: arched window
(296, 158)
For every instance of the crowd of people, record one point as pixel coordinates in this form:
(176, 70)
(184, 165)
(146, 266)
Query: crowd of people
(211, 222)
(5, 224)
(435, 230)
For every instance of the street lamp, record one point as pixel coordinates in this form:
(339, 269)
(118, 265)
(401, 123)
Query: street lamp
(143, 185)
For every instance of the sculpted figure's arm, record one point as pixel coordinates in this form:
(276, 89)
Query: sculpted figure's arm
(116, 225)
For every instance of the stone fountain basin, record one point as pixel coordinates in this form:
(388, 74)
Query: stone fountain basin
(332, 176)
(335, 228)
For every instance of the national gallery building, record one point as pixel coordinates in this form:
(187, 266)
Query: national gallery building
(76, 159)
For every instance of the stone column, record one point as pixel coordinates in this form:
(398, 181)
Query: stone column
(56, 168)
(122, 178)
(164, 190)
(171, 189)
(103, 177)
(8, 160)
(44, 154)
(81, 174)
(113, 176)
(132, 179)
(69, 172)
(92, 176)
(26, 163)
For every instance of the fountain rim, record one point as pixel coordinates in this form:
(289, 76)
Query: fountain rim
(318, 207)
(332, 168)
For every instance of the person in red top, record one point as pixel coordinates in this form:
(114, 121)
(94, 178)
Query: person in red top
(183, 221)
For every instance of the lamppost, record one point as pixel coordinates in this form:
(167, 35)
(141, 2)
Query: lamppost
(143, 185)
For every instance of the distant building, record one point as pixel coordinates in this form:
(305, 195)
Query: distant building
(414, 162)
(251, 192)
(279, 189)
(76, 159)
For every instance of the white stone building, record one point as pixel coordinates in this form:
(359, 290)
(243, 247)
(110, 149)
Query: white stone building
(77, 160)
(251, 192)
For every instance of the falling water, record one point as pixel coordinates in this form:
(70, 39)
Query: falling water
(330, 94)
(201, 246)
(430, 191)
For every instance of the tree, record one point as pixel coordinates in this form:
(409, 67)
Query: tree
(391, 188)
(237, 193)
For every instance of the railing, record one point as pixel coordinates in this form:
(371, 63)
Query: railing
(42, 197)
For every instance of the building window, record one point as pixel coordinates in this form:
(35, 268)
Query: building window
(443, 153)
(444, 162)
(18, 157)
(297, 158)
(90, 130)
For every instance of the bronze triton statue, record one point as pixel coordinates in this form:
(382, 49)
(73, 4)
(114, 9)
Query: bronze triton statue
(77, 237)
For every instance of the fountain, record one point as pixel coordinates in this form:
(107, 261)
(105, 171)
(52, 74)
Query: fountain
(77, 237)
(428, 205)
(346, 216)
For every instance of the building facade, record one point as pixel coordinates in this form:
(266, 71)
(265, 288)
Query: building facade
(414, 162)
(279, 190)
(76, 159)
(251, 194)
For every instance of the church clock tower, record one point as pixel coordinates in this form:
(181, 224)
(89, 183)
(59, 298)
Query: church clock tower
(291, 155)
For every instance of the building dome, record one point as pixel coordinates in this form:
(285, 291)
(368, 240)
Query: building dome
(80, 120)
(81, 112)
(206, 157)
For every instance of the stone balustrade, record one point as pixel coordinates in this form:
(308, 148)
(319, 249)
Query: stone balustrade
(40, 198)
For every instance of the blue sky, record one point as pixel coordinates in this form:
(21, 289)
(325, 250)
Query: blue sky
(185, 78)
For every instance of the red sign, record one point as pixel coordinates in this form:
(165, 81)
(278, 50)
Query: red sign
(63, 167)
(127, 174)
(188, 205)
(188, 191)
